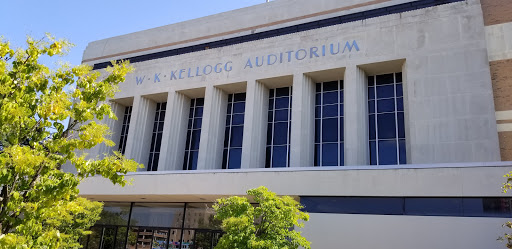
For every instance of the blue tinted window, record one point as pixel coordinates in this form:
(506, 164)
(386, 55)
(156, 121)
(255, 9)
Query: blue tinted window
(386, 105)
(330, 130)
(386, 125)
(278, 129)
(156, 137)
(330, 154)
(235, 158)
(233, 135)
(193, 134)
(329, 124)
(387, 152)
(386, 120)
(434, 206)
(125, 128)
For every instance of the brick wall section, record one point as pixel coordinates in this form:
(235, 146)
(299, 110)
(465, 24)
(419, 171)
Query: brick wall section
(496, 11)
(501, 76)
(505, 138)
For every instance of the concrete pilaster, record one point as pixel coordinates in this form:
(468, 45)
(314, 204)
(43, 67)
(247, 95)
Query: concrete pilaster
(303, 122)
(356, 116)
(175, 132)
(255, 123)
(212, 131)
(139, 135)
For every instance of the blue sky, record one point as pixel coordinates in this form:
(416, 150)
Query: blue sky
(82, 21)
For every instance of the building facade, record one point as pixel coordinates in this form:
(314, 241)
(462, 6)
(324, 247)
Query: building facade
(388, 119)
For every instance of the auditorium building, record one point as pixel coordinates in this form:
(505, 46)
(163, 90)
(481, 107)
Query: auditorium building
(389, 120)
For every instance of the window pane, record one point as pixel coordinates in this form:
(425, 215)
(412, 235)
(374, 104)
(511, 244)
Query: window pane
(317, 130)
(371, 80)
(114, 214)
(387, 91)
(330, 86)
(238, 119)
(318, 111)
(193, 160)
(400, 121)
(268, 155)
(281, 115)
(371, 106)
(371, 126)
(280, 133)
(398, 77)
(283, 102)
(197, 123)
(330, 111)
(341, 139)
(199, 112)
(200, 102)
(236, 136)
(386, 105)
(226, 137)
(235, 158)
(284, 91)
(239, 107)
(239, 97)
(196, 136)
(318, 99)
(330, 154)
(330, 130)
(201, 215)
(400, 104)
(434, 206)
(279, 156)
(402, 149)
(330, 98)
(386, 125)
(269, 134)
(157, 214)
(317, 154)
(387, 152)
(373, 153)
(342, 154)
(371, 92)
(399, 90)
(385, 79)
(270, 116)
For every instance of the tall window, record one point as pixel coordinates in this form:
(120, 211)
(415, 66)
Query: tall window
(234, 133)
(125, 127)
(195, 120)
(278, 130)
(329, 124)
(156, 139)
(386, 119)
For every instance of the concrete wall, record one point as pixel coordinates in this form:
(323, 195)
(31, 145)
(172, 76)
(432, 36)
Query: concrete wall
(350, 231)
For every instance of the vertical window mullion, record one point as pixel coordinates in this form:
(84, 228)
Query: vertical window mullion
(396, 121)
(289, 123)
(320, 163)
(375, 120)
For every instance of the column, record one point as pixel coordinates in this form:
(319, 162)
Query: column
(141, 127)
(175, 132)
(356, 117)
(212, 131)
(303, 122)
(255, 123)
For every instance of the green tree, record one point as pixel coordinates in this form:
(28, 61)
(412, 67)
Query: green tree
(267, 225)
(507, 237)
(39, 203)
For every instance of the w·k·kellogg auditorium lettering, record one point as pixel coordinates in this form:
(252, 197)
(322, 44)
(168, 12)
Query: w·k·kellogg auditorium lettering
(258, 61)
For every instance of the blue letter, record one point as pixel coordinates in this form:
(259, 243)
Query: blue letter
(226, 68)
(268, 59)
(347, 45)
(190, 76)
(209, 72)
(139, 80)
(181, 71)
(197, 71)
(297, 54)
(289, 55)
(332, 49)
(312, 51)
(173, 75)
(261, 61)
(248, 64)
(156, 78)
(218, 68)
